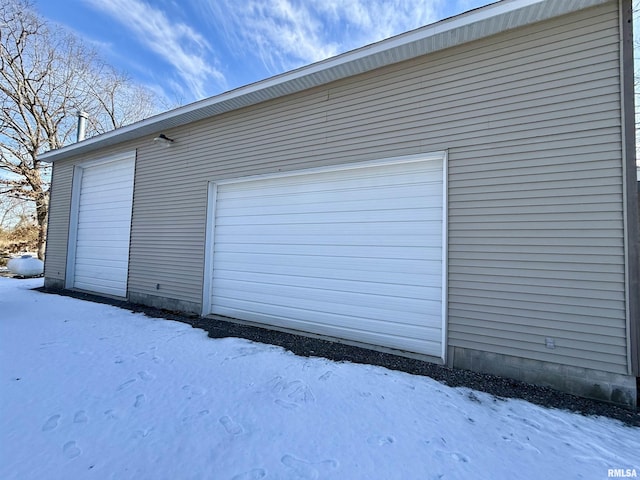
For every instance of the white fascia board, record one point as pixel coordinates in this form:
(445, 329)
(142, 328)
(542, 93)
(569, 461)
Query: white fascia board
(472, 25)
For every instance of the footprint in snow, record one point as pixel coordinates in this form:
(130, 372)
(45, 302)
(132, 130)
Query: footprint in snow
(473, 397)
(591, 460)
(291, 394)
(195, 416)
(146, 376)
(287, 405)
(80, 417)
(436, 441)
(380, 440)
(193, 391)
(139, 401)
(51, 423)
(307, 470)
(457, 456)
(142, 433)
(526, 421)
(255, 474)
(71, 450)
(230, 425)
(53, 344)
(518, 445)
(126, 384)
(244, 352)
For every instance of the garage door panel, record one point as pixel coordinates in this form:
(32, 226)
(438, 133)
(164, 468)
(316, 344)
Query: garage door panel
(355, 253)
(389, 270)
(411, 338)
(97, 204)
(95, 284)
(118, 172)
(107, 219)
(332, 240)
(364, 216)
(339, 181)
(373, 251)
(373, 288)
(96, 225)
(368, 213)
(342, 230)
(337, 320)
(380, 267)
(110, 264)
(256, 206)
(333, 200)
(353, 199)
(348, 316)
(99, 224)
(104, 216)
(378, 305)
(107, 255)
(104, 253)
(335, 240)
(432, 280)
(104, 189)
(108, 273)
(100, 192)
(101, 248)
(109, 231)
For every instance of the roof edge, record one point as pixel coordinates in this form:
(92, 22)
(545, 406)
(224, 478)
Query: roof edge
(463, 28)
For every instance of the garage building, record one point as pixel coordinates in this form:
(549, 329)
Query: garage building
(465, 193)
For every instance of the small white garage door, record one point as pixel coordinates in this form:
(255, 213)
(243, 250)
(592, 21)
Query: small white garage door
(355, 252)
(100, 256)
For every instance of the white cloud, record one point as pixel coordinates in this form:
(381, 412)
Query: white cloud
(379, 19)
(286, 34)
(176, 43)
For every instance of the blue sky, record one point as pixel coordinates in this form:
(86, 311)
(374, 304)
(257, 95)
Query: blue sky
(188, 50)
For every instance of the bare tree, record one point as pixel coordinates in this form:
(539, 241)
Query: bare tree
(12, 211)
(114, 100)
(46, 75)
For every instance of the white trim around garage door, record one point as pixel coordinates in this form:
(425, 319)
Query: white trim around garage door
(355, 174)
(102, 226)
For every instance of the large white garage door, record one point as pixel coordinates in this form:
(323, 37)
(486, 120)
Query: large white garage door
(355, 253)
(105, 197)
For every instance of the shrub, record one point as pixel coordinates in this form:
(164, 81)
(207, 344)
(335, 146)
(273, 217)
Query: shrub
(19, 239)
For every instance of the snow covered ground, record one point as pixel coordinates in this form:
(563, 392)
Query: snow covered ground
(92, 391)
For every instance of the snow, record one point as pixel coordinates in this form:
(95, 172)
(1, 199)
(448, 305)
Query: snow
(93, 391)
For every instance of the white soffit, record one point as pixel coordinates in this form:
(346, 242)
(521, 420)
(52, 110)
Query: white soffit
(473, 25)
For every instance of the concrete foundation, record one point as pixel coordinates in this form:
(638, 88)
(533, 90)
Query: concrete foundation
(583, 382)
(53, 283)
(165, 303)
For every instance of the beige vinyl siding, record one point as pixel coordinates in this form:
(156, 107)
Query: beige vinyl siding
(58, 227)
(535, 223)
(531, 121)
